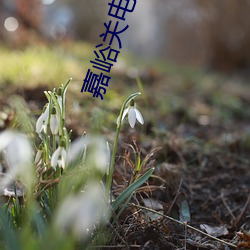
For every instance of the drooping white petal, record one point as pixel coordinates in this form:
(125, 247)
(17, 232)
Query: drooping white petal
(63, 159)
(55, 156)
(54, 124)
(123, 116)
(101, 154)
(98, 152)
(5, 139)
(64, 154)
(19, 151)
(61, 163)
(59, 157)
(132, 117)
(39, 123)
(46, 113)
(78, 214)
(18, 156)
(44, 127)
(125, 112)
(139, 116)
(77, 148)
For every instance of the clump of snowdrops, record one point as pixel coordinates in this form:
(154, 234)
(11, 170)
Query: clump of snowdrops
(61, 190)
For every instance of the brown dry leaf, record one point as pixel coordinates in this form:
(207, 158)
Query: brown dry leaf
(245, 236)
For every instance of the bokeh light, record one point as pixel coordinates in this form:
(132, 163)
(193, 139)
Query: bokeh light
(11, 24)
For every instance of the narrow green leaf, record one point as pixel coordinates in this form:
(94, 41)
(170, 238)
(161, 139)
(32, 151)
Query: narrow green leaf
(129, 190)
(138, 163)
(39, 222)
(10, 236)
(122, 209)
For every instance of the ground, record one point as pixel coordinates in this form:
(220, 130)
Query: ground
(197, 124)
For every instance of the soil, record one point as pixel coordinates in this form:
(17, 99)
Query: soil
(202, 168)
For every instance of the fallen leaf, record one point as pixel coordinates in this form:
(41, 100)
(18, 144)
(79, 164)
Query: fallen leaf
(215, 231)
(153, 204)
(245, 236)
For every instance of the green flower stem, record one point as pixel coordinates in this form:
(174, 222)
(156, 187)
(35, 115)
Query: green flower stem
(112, 164)
(54, 142)
(63, 100)
(47, 138)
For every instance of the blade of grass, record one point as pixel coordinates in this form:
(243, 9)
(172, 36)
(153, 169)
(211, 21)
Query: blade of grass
(122, 209)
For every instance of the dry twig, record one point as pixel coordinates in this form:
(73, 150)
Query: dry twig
(184, 224)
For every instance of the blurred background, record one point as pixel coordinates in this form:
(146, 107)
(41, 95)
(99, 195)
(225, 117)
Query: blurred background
(188, 52)
(212, 34)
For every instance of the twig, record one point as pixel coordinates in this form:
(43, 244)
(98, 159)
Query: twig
(175, 198)
(239, 217)
(185, 242)
(184, 224)
(116, 246)
(227, 207)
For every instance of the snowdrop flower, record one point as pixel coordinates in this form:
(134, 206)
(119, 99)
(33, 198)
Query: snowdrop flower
(98, 152)
(133, 114)
(42, 122)
(54, 121)
(79, 214)
(59, 157)
(17, 152)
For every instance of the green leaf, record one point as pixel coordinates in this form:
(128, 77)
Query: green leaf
(122, 209)
(185, 212)
(129, 190)
(10, 236)
(39, 222)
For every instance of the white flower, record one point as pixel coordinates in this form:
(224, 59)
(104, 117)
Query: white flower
(79, 214)
(133, 114)
(17, 152)
(42, 122)
(54, 121)
(59, 157)
(98, 152)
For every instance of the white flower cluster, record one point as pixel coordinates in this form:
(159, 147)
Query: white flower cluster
(50, 117)
(80, 214)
